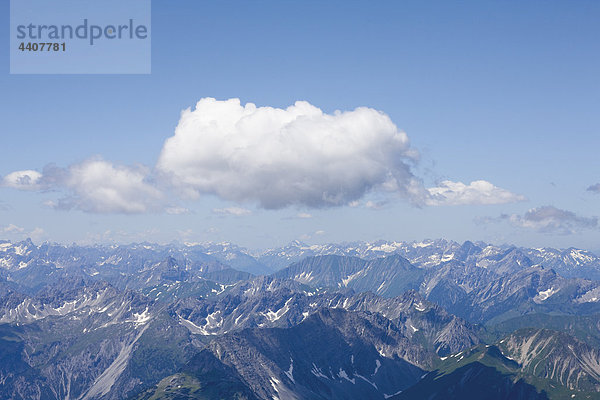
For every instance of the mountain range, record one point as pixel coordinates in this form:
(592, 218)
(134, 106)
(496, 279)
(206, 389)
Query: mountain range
(433, 319)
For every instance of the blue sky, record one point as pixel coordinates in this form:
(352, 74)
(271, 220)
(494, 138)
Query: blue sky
(505, 92)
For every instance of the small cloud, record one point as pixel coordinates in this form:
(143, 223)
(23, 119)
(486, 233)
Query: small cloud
(177, 210)
(37, 233)
(50, 204)
(23, 180)
(308, 236)
(19, 233)
(235, 211)
(594, 188)
(212, 229)
(303, 215)
(354, 203)
(480, 192)
(548, 219)
(375, 205)
(99, 186)
(12, 228)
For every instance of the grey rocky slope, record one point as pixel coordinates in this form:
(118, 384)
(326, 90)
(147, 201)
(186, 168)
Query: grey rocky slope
(555, 356)
(87, 340)
(279, 306)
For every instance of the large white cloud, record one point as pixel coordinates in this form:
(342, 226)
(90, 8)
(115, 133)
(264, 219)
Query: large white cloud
(476, 193)
(280, 157)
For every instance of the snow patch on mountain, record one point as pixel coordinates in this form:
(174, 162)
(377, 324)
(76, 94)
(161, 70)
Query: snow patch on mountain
(545, 294)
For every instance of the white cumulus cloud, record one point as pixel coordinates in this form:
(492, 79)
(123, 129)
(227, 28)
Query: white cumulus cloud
(476, 193)
(281, 157)
(303, 215)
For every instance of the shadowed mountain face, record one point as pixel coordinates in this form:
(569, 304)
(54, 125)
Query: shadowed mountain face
(87, 338)
(433, 319)
(334, 354)
(472, 382)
